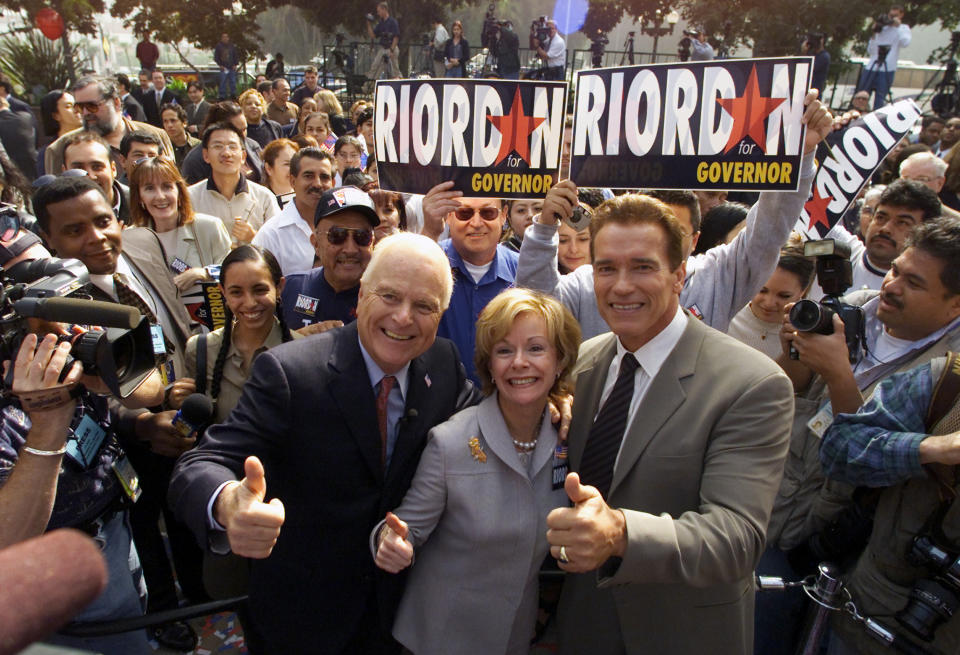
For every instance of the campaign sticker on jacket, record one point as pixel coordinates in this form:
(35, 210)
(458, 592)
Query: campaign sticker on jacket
(493, 138)
(731, 124)
(306, 305)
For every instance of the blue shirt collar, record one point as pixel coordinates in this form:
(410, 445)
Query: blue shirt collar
(498, 268)
(376, 373)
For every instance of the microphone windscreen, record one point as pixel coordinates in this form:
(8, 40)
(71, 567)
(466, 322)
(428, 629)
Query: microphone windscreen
(81, 312)
(196, 409)
(44, 583)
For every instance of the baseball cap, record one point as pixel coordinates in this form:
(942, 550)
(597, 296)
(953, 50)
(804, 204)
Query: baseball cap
(345, 198)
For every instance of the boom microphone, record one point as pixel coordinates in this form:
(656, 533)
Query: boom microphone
(46, 581)
(81, 312)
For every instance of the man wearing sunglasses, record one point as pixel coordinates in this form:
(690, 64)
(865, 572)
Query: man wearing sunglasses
(98, 103)
(326, 297)
(481, 266)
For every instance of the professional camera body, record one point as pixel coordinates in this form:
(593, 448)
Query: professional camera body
(55, 290)
(881, 21)
(933, 600)
(598, 45)
(491, 27)
(835, 275)
(540, 31)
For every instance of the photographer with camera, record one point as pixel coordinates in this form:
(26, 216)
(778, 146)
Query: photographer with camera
(386, 36)
(813, 46)
(889, 35)
(507, 50)
(903, 442)
(913, 318)
(552, 49)
(61, 464)
(700, 48)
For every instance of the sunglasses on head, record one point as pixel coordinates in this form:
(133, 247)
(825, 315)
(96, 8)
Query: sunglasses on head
(486, 213)
(362, 236)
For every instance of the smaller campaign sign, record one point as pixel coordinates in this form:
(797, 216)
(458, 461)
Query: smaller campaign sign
(849, 159)
(493, 138)
(731, 124)
(213, 311)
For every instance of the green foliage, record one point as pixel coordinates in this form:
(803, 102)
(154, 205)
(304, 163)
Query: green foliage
(34, 63)
(170, 21)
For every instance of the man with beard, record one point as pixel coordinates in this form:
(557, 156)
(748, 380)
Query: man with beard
(903, 205)
(326, 297)
(289, 236)
(98, 101)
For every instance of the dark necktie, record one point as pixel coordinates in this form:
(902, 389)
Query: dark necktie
(386, 384)
(606, 434)
(127, 296)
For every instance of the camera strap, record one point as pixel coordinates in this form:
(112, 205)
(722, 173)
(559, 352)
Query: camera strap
(200, 381)
(943, 417)
(10, 250)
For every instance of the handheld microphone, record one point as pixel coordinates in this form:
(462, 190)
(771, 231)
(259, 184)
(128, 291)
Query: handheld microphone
(193, 414)
(81, 312)
(46, 581)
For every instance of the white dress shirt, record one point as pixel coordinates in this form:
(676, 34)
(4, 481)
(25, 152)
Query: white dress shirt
(287, 236)
(651, 357)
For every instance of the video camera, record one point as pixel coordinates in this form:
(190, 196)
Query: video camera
(881, 21)
(540, 31)
(598, 44)
(491, 27)
(55, 290)
(835, 275)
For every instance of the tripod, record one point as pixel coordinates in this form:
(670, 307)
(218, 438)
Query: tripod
(869, 78)
(627, 50)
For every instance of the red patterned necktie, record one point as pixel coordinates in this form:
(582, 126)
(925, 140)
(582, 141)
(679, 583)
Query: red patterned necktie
(386, 385)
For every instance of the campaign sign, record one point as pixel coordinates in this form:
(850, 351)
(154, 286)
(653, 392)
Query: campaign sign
(847, 162)
(732, 124)
(493, 138)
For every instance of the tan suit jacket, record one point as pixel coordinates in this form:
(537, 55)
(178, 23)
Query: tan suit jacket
(696, 478)
(53, 158)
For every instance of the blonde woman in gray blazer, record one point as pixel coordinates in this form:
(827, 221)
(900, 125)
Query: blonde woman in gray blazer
(476, 511)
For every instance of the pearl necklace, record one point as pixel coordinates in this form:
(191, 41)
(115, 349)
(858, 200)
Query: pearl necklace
(525, 446)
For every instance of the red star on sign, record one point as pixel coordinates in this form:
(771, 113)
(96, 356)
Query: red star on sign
(816, 208)
(749, 112)
(515, 128)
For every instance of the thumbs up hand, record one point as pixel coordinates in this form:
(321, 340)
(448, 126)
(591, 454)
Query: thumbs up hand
(590, 532)
(394, 552)
(252, 525)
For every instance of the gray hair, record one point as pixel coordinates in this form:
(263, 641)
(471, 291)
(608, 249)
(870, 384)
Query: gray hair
(938, 164)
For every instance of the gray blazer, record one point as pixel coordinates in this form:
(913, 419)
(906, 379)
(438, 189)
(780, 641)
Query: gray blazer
(480, 533)
(696, 478)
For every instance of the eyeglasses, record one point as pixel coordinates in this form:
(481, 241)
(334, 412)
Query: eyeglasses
(486, 213)
(92, 106)
(922, 179)
(229, 147)
(362, 236)
(156, 158)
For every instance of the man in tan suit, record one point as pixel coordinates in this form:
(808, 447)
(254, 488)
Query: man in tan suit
(679, 434)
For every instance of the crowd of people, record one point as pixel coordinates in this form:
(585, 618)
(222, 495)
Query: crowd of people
(448, 395)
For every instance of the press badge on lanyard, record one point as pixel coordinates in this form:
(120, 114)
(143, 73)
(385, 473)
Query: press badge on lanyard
(85, 443)
(560, 466)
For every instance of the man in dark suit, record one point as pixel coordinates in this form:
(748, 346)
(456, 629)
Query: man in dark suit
(77, 221)
(678, 455)
(154, 100)
(18, 136)
(132, 108)
(308, 422)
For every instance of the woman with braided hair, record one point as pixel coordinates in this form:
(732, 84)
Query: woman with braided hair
(251, 282)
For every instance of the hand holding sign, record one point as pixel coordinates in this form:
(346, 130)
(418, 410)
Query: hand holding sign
(559, 204)
(591, 532)
(818, 119)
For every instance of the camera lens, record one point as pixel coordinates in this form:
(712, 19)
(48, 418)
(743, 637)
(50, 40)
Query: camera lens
(811, 316)
(931, 603)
